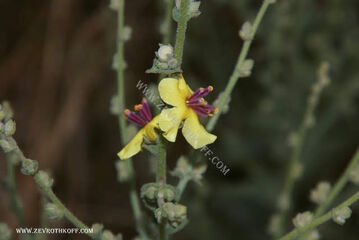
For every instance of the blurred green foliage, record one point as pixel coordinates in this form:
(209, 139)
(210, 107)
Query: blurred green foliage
(265, 108)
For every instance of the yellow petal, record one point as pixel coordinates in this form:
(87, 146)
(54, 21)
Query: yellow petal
(149, 129)
(184, 88)
(195, 133)
(133, 147)
(170, 93)
(170, 120)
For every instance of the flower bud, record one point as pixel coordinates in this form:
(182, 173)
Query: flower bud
(114, 4)
(2, 113)
(182, 167)
(274, 224)
(166, 192)
(126, 33)
(165, 53)
(45, 179)
(53, 212)
(2, 126)
(283, 202)
(320, 193)
(107, 235)
(246, 32)
(10, 128)
(6, 146)
(149, 191)
(7, 111)
(302, 219)
(97, 230)
(29, 167)
(313, 235)
(123, 173)
(119, 237)
(246, 69)
(176, 214)
(225, 107)
(197, 172)
(340, 215)
(5, 232)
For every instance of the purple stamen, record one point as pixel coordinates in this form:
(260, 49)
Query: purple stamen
(134, 118)
(197, 103)
(146, 110)
(201, 112)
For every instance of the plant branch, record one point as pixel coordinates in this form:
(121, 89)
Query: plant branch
(320, 220)
(235, 75)
(338, 187)
(134, 200)
(181, 31)
(166, 27)
(161, 180)
(294, 163)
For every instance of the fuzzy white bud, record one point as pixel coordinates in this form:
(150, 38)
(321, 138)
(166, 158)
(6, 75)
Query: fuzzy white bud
(302, 219)
(340, 215)
(165, 53)
(320, 193)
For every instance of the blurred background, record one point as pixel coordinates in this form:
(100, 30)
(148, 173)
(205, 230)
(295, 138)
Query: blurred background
(55, 69)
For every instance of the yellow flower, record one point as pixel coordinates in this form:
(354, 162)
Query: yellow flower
(186, 105)
(148, 124)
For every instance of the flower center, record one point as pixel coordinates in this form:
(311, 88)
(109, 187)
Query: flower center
(144, 115)
(199, 105)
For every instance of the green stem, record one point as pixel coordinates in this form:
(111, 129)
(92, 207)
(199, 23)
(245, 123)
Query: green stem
(320, 220)
(338, 187)
(161, 180)
(48, 191)
(16, 204)
(134, 200)
(120, 68)
(166, 37)
(235, 75)
(181, 31)
(181, 186)
(54, 199)
(161, 165)
(291, 176)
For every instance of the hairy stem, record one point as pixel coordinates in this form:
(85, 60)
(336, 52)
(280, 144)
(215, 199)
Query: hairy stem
(67, 213)
(338, 187)
(166, 30)
(181, 186)
(134, 200)
(16, 204)
(48, 191)
(294, 164)
(181, 31)
(320, 220)
(161, 180)
(235, 75)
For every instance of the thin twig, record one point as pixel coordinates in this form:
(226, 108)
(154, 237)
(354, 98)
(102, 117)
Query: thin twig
(320, 220)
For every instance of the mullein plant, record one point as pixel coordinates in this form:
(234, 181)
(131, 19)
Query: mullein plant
(183, 110)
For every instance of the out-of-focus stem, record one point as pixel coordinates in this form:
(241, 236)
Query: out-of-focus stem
(235, 75)
(16, 204)
(320, 220)
(338, 187)
(308, 118)
(161, 180)
(134, 200)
